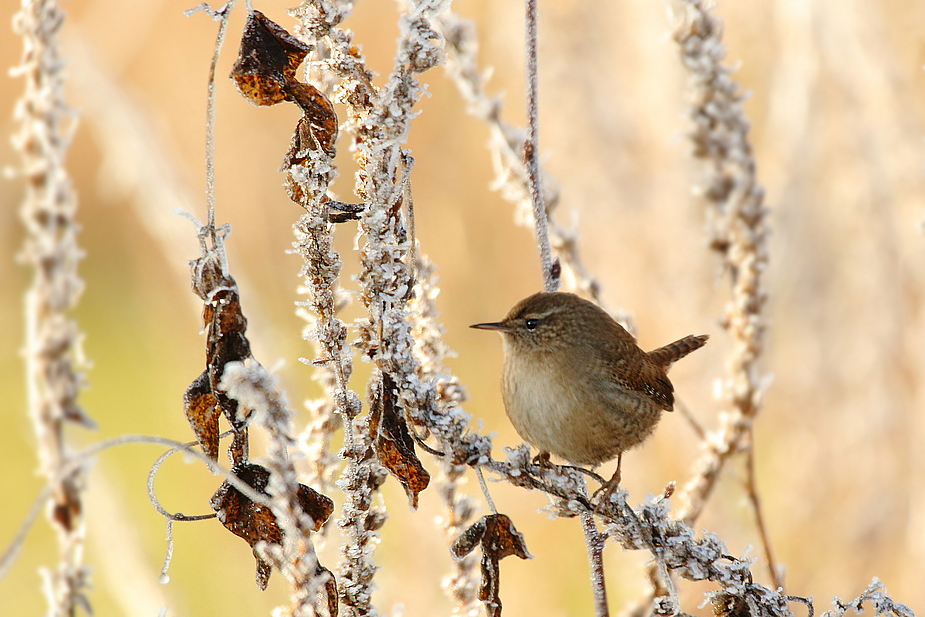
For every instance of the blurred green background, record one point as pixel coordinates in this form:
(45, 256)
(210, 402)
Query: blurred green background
(838, 108)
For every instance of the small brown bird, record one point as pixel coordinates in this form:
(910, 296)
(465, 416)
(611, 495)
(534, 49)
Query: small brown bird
(576, 384)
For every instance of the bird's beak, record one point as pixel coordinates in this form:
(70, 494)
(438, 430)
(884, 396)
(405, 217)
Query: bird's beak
(498, 325)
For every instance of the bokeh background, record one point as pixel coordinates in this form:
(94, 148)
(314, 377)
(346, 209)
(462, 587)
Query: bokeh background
(837, 102)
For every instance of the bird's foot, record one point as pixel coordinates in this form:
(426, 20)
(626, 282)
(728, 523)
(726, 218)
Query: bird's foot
(611, 485)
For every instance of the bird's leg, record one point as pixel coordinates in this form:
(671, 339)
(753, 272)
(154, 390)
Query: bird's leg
(613, 483)
(542, 459)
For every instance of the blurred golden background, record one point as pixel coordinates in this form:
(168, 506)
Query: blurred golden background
(837, 108)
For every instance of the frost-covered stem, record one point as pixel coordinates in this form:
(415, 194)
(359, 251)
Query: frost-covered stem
(462, 583)
(250, 384)
(380, 121)
(52, 348)
(362, 476)
(225, 11)
(736, 214)
(320, 271)
(532, 152)
(316, 440)
(507, 147)
(594, 540)
(876, 595)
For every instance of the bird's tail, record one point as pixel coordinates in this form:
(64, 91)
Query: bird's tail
(672, 352)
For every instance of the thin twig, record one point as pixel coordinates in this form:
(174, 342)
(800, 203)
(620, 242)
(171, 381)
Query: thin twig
(531, 153)
(692, 421)
(79, 459)
(507, 150)
(488, 499)
(751, 489)
(221, 15)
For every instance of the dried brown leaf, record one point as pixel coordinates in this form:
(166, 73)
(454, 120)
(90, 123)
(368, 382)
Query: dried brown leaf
(202, 412)
(265, 73)
(207, 276)
(255, 522)
(238, 451)
(267, 61)
(393, 442)
(469, 539)
(498, 538)
(330, 588)
(225, 343)
(319, 121)
(318, 506)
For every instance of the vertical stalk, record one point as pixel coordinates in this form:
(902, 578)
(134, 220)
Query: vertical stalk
(532, 154)
(52, 350)
(595, 543)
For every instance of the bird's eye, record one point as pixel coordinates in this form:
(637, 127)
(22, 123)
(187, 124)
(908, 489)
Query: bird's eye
(531, 323)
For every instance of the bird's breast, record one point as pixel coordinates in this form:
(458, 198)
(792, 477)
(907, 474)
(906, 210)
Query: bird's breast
(568, 409)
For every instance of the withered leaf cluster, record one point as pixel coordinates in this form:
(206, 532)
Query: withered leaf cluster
(498, 538)
(255, 522)
(204, 401)
(265, 73)
(392, 440)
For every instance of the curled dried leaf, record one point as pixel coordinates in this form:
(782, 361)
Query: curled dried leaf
(206, 275)
(265, 73)
(255, 522)
(239, 450)
(202, 412)
(267, 61)
(330, 589)
(393, 442)
(469, 539)
(225, 343)
(318, 116)
(498, 538)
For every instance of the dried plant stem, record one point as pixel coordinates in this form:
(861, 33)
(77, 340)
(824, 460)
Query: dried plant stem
(507, 145)
(532, 153)
(320, 270)
(462, 583)
(594, 540)
(736, 213)
(362, 476)
(254, 388)
(751, 489)
(52, 349)
(225, 11)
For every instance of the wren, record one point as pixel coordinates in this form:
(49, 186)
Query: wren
(576, 384)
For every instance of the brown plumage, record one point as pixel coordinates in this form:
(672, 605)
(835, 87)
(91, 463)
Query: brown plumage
(576, 384)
